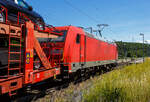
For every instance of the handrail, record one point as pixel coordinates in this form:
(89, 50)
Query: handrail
(47, 29)
(26, 17)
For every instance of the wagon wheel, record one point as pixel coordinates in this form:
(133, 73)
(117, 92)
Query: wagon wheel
(2, 17)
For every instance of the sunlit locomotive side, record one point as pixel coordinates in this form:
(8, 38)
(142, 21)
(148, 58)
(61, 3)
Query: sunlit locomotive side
(77, 50)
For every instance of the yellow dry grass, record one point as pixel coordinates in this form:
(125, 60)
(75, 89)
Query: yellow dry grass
(130, 84)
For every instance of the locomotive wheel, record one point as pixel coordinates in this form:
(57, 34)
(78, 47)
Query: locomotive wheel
(2, 17)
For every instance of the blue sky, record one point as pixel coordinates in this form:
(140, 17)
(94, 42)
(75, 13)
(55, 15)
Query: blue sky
(126, 18)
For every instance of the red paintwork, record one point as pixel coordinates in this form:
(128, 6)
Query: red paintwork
(29, 45)
(54, 58)
(91, 51)
(47, 71)
(88, 50)
(52, 55)
(29, 75)
(6, 85)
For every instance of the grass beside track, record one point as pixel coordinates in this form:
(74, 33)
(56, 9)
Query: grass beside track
(130, 84)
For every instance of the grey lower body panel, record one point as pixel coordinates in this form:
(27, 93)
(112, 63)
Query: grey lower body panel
(77, 66)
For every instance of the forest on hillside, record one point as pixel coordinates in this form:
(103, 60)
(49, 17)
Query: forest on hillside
(133, 50)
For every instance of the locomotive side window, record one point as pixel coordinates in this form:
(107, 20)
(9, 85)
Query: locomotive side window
(61, 38)
(78, 39)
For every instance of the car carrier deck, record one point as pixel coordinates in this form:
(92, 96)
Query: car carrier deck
(22, 46)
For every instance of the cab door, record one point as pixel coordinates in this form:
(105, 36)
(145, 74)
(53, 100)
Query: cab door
(82, 49)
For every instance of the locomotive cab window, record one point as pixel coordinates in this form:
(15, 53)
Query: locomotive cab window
(78, 38)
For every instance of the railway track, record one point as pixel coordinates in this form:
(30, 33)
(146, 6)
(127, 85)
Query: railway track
(48, 87)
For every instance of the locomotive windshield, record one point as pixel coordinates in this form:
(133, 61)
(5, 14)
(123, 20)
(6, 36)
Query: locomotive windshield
(61, 38)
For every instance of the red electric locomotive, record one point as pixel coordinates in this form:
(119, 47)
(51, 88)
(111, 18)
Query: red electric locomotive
(77, 50)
